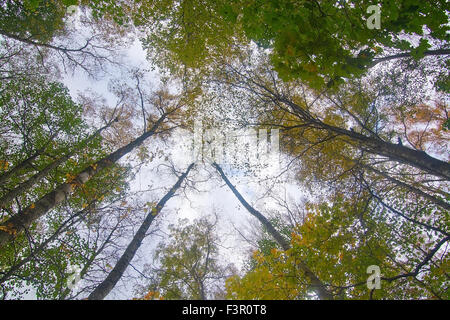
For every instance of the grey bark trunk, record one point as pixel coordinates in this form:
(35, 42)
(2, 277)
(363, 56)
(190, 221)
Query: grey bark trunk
(105, 287)
(316, 284)
(394, 152)
(26, 185)
(25, 163)
(22, 220)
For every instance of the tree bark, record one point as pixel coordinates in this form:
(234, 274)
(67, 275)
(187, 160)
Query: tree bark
(394, 152)
(105, 287)
(22, 220)
(26, 185)
(316, 284)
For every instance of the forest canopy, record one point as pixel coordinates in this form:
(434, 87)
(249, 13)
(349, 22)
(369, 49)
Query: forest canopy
(212, 150)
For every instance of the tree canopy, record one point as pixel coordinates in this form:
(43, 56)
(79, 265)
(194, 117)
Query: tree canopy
(316, 132)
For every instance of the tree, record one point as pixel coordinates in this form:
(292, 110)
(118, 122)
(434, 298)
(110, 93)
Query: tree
(314, 282)
(23, 220)
(102, 290)
(317, 41)
(42, 31)
(187, 267)
(341, 241)
(302, 110)
(185, 36)
(77, 179)
(69, 234)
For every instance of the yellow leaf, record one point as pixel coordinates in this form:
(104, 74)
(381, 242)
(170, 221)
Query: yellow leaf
(9, 229)
(4, 165)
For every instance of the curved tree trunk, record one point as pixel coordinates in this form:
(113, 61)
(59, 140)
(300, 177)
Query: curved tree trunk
(394, 152)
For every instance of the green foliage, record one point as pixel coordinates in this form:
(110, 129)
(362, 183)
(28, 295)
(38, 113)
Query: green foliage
(189, 266)
(185, 35)
(303, 46)
(340, 242)
(38, 20)
(320, 41)
(38, 114)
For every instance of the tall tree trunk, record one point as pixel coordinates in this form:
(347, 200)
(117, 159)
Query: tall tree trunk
(23, 219)
(316, 284)
(26, 185)
(104, 288)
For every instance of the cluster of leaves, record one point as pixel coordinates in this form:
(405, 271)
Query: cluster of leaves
(320, 40)
(340, 242)
(38, 20)
(188, 266)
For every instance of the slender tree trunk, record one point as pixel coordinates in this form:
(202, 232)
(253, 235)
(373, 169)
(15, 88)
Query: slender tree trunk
(25, 163)
(316, 284)
(26, 185)
(22, 220)
(401, 184)
(105, 287)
